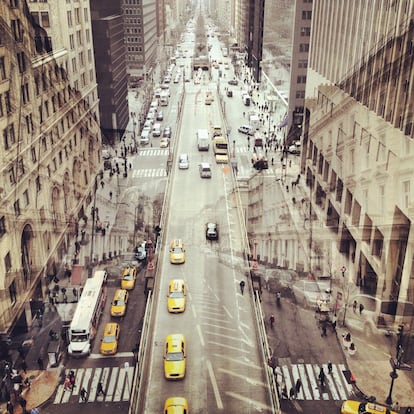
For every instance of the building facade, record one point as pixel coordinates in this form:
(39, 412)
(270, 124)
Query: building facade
(109, 53)
(48, 161)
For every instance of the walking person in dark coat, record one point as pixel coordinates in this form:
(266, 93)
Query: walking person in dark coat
(100, 390)
(298, 386)
(292, 393)
(10, 407)
(322, 377)
(40, 363)
(84, 394)
(23, 404)
(24, 366)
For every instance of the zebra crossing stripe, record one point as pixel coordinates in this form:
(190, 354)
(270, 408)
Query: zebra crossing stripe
(348, 386)
(295, 375)
(85, 382)
(316, 368)
(314, 384)
(95, 380)
(286, 377)
(337, 377)
(331, 383)
(112, 382)
(304, 379)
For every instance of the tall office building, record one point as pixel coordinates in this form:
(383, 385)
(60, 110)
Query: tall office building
(109, 48)
(141, 37)
(50, 152)
(358, 149)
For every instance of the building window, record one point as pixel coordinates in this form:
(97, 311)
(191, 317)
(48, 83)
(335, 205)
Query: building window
(2, 68)
(7, 102)
(16, 206)
(9, 136)
(7, 262)
(2, 226)
(13, 292)
(38, 185)
(304, 47)
(406, 194)
(79, 37)
(29, 123)
(14, 4)
(305, 31)
(26, 197)
(72, 42)
(70, 22)
(44, 143)
(77, 15)
(16, 26)
(1, 105)
(302, 64)
(85, 14)
(81, 59)
(25, 93)
(33, 152)
(88, 35)
(21, 60)
(306, 15)
(74, 64)
(45, 19)
(301, 79)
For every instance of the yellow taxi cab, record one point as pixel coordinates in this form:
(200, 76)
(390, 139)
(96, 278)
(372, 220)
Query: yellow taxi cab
(109, 343)
(177, 252)
(356, 407)
(119, 303)
(174, 357)
(176, 405)
(176, 297)
(128, 278)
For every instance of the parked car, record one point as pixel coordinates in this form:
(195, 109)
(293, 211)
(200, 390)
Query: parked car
(281, 280)
(167, 132)
(309, 293)
(246, 129)
(229, 93)
(160, 116)
(233, 82)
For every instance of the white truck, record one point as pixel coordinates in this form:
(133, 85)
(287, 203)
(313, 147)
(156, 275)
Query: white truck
(203, 141)
(164, 99)
(254, 121)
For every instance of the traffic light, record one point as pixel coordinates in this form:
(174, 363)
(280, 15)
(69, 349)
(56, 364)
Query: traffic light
(350, 379)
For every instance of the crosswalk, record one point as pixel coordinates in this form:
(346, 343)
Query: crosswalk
(116, 382)
(153, 152)
(336, 387)
(149, 172)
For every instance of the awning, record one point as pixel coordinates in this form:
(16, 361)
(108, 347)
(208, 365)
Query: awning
(284, 122)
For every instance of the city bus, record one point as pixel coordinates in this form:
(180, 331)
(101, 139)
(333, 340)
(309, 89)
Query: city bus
(85, 321)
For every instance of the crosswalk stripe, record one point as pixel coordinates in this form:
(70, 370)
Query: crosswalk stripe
(314, 384)
(348, 386)
(149, 172)
(316, 369)
(331, 383)
(304, 379)
(112, 382)
(86, 379)
(95, 380)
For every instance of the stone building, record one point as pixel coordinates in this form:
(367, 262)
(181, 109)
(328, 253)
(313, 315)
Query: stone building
(49, 158)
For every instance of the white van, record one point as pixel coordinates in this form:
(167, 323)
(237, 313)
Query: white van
(156, 130)
(145, 137)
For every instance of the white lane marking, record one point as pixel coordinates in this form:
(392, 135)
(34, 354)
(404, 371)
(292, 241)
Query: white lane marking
(214, 385)
(200, 334)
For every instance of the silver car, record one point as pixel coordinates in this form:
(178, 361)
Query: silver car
(309, 293)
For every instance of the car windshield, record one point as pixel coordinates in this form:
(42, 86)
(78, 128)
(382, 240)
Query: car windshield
(174, 356)
(176, 295)
(79, 338)
(128, 277)
(310, 287)
(108, 339)
(119, 303)
(177, 250)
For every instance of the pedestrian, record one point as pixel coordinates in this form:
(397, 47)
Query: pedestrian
(10, 407)
(322, 377)
(396, 406)
(72, 380)
(291, 393)
(23, 404)
(354, 306)
(100, 390)
(298, 385)
(329, 367)
(67, 384)
(110, 195)
(84, 394)
(40, 363)
(272, 320)
(324, 330)
(408, 410)
(23, 366)
(242, 284)
(284, 392)
(361, 308)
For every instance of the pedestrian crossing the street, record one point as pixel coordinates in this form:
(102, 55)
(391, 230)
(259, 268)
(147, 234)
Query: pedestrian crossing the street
(116, 384)
(149, 172)
(336, 387)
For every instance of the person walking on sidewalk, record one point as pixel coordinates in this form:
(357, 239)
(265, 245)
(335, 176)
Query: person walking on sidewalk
(10, 407)
(40, 363)
(322, 377)
(329, 367)
(242, 284)
(272, 320)
(84, 394)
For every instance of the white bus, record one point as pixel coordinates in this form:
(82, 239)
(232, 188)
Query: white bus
(85, 320)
